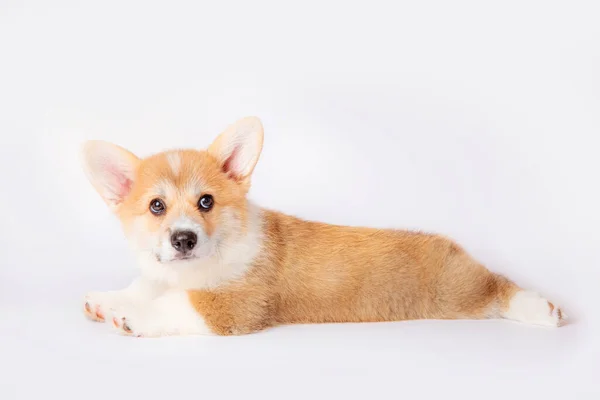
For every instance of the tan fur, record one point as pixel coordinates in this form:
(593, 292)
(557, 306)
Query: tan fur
(305, 271)
(311, 272)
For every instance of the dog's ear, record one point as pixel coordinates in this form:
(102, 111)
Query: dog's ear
(238, 148)
(110, 169)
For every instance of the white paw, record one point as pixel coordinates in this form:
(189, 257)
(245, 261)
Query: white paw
(138, 322)
(558, 314)
(97, 305)
(169, 314)
(529, 307)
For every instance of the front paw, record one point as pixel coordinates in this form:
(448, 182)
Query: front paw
(133, 321)
(97, 305)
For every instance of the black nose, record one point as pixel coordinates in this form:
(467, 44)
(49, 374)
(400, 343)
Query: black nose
(183, 241)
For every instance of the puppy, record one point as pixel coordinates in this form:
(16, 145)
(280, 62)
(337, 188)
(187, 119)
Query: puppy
(212, 262)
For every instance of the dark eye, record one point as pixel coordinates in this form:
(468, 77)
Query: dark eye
(206, 202)
(157, 206)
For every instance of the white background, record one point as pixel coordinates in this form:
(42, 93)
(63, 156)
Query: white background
(479, 120)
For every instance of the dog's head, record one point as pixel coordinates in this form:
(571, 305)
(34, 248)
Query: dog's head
(179, 204)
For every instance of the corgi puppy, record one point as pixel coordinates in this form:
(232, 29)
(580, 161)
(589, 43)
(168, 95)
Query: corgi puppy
(212, 262)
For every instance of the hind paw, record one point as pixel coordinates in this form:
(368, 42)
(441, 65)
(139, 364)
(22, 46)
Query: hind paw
(529, 307)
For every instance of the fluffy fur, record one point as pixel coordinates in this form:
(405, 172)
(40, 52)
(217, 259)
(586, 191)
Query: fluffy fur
(254, 268)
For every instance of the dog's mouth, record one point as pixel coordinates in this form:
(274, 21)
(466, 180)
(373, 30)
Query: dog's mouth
(177, 258)
(200, 252)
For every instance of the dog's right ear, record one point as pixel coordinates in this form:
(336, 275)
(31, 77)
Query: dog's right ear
(110, 169)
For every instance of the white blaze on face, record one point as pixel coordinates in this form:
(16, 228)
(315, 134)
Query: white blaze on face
(185, 223)
(174, 160)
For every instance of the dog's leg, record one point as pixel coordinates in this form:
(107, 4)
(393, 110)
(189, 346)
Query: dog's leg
(97, 305)
(469, 290)
(509, 301)
(171, 313)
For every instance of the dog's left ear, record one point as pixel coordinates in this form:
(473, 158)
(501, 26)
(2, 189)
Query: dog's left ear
(111, 170)
(238, 148)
